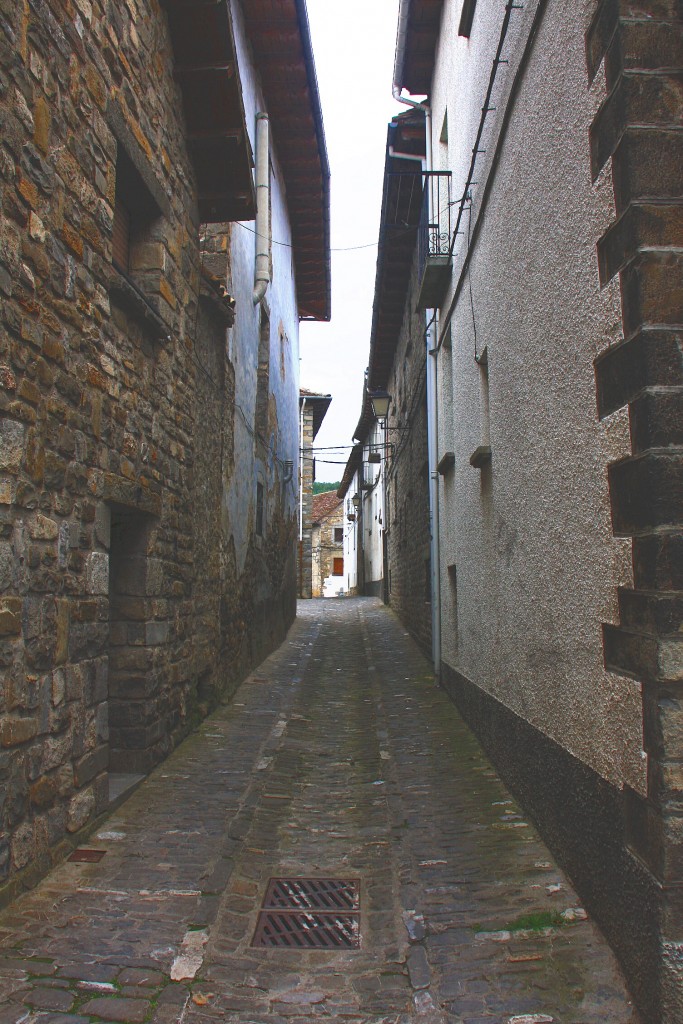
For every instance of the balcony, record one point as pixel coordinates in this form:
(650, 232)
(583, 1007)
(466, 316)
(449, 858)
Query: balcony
(435, 259)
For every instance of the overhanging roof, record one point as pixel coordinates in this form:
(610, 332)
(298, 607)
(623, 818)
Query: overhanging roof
(281, 41)
(206, 69)
(401, 204)
(320, 404)
(354, 461)
(418, 32)
(205, 66)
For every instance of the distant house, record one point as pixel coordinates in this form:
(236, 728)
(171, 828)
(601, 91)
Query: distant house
(312, 410)
(327, 545)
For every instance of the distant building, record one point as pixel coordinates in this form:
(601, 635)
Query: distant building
(328, 545)
(149, 362)
(312, 410)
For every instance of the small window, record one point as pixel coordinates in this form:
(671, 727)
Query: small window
(339, 534)
(121, 236)
(135, 212)
(263, 380)
(338, 567)
(259, 510)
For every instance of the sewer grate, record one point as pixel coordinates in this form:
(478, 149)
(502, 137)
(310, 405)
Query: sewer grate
(313, 913)
(87, 856)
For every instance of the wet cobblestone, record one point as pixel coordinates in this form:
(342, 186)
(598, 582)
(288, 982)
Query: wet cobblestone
(339, 757)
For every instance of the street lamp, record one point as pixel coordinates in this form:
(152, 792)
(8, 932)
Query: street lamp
(355, 501)
(380, 401)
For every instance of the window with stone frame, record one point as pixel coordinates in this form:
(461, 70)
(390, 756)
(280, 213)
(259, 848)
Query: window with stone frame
(140, 218)
(260, 511)
(339, 534)
(263, 380)
(135, 215)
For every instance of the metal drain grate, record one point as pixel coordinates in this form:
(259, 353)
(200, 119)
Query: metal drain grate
(87, 856)
(310, 913)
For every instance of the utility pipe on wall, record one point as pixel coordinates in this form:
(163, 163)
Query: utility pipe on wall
(263, 241)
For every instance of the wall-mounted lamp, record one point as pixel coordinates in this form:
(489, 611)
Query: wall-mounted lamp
(355, 501)
(380, 401)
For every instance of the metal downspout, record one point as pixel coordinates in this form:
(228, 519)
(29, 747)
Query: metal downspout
(263, 242)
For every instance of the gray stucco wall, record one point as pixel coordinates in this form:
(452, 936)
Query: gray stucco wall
(536, 565)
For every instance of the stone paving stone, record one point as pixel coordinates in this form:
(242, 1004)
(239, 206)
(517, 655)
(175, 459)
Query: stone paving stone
(121, 1010)
(339, 758)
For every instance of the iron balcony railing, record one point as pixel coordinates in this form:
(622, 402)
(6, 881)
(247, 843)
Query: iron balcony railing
(434, 239)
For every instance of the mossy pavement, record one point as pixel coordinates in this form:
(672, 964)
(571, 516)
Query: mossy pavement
(338, 757)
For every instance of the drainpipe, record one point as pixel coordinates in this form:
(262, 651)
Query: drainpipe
(262, 270)
(432, 351)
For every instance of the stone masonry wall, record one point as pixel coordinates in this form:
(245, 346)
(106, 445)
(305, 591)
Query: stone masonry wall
(122, 615)
(408, 480)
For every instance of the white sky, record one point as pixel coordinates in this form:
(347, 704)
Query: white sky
(353, 45)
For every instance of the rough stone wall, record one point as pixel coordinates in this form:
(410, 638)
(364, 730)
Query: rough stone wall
(638, 131)
(408, 479)
(124, 613)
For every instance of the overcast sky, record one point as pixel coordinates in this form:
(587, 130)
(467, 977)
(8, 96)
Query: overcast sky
(353, 43)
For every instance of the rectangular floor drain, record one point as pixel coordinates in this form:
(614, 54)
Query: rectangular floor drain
(87, 856)
(310, 913)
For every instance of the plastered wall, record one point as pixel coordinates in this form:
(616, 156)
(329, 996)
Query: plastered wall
(534, 566)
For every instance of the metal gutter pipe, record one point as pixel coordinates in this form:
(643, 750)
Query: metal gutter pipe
(263, 241)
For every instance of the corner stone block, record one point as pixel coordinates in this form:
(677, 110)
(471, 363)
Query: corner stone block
(80, 809)
(646, 165)
(11, 445)
(97, 572)
(23, 845)
(43, 528)
(10, 616)
(652, 290)
(646, 492)
(658, 562)
(14, 731)
(657, 419)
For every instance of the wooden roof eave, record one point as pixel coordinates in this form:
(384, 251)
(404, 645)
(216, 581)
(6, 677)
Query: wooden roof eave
(207, 72)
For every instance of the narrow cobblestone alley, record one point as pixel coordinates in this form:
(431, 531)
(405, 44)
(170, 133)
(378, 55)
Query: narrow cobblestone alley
(339, 758)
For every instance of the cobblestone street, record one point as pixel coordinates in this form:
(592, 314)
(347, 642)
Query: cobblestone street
(338, 758)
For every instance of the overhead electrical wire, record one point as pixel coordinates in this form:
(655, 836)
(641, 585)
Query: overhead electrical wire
(346, 248)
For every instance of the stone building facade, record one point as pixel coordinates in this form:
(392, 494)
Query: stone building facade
(312, 410)
(559, 520)
(396, 534)
(148, 402)
(327, 545)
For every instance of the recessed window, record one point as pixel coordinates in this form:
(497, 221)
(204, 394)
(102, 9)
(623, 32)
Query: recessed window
(339, 534)
(263, 380)
(135, 212)
(141, 215)
(259, 510)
